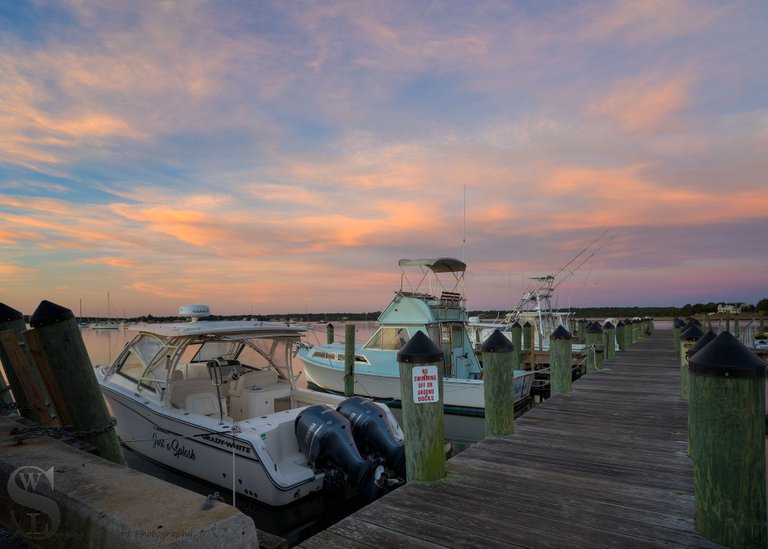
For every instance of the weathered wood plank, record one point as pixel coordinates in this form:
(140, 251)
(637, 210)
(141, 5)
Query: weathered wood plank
(604, 465)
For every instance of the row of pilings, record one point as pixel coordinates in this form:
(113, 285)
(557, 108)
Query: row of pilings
(51, 381)
(723, 382)
(421, 384)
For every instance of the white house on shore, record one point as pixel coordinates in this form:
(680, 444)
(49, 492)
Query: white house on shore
(733, 308)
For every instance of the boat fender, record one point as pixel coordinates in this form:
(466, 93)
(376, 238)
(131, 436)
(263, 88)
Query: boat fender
(325, 436)
(373, 432)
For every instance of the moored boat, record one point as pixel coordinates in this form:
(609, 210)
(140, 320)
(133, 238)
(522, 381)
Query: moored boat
(218, 401)
(432, 303)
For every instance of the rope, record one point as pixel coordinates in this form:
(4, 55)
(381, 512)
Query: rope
(37, 431)
(210, 500)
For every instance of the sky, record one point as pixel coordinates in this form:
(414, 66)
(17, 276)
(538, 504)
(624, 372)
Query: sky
(266, 157)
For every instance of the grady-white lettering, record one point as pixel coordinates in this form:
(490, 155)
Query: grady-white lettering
(227, 443)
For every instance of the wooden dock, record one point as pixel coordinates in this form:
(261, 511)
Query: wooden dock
(602, 466)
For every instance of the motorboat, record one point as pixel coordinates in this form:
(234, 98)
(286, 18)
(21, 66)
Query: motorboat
(431, 302)
(218, 400)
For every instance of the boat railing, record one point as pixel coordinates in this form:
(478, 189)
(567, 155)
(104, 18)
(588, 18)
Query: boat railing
(451, 297)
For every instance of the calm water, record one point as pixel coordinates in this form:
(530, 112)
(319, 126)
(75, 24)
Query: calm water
(294, 523)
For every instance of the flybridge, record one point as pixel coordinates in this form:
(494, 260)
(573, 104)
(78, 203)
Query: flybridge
(429, 281)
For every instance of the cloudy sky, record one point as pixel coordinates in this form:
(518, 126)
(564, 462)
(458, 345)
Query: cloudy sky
(282, 156)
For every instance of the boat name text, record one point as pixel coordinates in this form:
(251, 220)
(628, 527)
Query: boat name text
(174, 447)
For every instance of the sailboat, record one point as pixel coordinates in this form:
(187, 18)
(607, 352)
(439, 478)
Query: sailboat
(108, 324)
(81, 321)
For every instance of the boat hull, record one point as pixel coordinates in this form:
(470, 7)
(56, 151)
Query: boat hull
(210, 453)
(462, 397)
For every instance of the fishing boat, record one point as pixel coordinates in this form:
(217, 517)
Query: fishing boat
(534, 309)
(432, 303)
(218, 400)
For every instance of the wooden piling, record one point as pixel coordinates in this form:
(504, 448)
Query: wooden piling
(677, 325)
(11, 319)
(527, 339)
(594, 335)
(56, 344)
(560, 361)
(727, 420)
(421, 390)
(29, 392)
(609, 338)
(517, 343)
(329, 333)
(620, 335)
(349, 360)
(34, 397)
(698, 346)
(498, 385)
(628, 337)
(582, 330)
(687, 340)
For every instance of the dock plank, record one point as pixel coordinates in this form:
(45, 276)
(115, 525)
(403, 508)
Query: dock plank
(602, 466)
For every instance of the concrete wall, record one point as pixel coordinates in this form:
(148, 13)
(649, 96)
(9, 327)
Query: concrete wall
(95, 503)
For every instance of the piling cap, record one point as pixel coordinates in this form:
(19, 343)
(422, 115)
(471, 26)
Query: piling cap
(725, 356)
(608, 325)
(48, 313)
(420, 350)
(527, 324)
(693, 333)
(8, 314)
(497, 343)
(516, 325)
(560, 333)
(702, 342)
(620, 323)
(693, 320)
(678, 323)
(594, 328)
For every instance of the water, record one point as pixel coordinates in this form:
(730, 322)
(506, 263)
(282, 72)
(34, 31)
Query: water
(295, 522)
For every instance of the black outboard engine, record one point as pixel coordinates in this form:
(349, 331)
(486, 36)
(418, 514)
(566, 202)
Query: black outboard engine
(325, 436)
(373, 433)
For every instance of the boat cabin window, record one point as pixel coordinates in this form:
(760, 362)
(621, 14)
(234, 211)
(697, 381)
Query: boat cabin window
(140, 353)
(388, 339)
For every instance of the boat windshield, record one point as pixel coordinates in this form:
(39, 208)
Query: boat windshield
(211, 350)
(388, 339)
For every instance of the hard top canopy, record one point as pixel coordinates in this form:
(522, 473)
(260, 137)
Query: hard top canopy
(222, 328)
(438, 265)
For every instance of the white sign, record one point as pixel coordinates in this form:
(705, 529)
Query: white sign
(425, 387)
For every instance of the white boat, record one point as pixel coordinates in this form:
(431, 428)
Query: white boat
(433, 304)
(217, 400)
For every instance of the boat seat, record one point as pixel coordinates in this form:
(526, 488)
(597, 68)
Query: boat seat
(196, 395)
(201, 403)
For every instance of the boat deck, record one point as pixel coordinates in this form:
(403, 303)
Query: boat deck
(602, 466)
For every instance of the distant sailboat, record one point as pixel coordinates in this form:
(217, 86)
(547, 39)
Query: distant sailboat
(109, 324)
(82, 322)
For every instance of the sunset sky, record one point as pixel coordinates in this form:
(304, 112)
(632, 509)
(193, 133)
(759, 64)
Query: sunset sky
(273, 157)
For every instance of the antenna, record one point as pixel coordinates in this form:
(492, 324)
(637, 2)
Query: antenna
(464, 234)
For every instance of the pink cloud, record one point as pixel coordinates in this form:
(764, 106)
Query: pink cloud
(643, 104)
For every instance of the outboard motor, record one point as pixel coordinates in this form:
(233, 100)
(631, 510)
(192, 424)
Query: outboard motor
(374, 432)
(325, 436)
